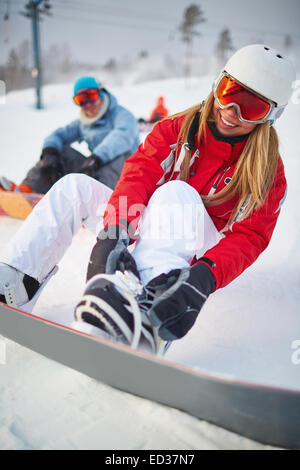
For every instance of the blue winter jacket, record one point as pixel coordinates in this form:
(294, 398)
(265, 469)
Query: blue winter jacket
(112, 135)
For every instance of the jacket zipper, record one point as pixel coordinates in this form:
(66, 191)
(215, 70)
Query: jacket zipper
(217, 181)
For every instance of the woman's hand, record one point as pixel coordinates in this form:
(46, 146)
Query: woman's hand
(110, 253)
(183, 293)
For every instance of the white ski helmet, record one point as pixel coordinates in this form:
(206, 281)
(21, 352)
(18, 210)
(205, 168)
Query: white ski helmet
(264, 70)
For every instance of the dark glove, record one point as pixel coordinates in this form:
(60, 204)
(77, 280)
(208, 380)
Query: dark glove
(51, 164)
(110, 253)
(51, 157)
(91, 166)
(183, 294)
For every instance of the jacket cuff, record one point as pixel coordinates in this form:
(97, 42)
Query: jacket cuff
(52, 150)
(122, 224)
(210, 265)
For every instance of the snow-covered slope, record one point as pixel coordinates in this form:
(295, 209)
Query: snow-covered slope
(245, 330)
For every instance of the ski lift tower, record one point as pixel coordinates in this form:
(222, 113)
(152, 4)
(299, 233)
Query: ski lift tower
(33, 9)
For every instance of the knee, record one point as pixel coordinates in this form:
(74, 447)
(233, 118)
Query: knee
(73, 178)
(176, 191)
(72, 182)
(81, 188)
(70, 187)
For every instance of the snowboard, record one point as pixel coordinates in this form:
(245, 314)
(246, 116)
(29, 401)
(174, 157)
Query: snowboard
(263, 413)
(17, 204)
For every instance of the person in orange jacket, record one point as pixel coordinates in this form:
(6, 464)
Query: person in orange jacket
(159, 111)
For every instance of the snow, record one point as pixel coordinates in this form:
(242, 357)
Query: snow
(245, 331)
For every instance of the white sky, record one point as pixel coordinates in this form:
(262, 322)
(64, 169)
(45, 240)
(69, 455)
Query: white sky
(97, 30)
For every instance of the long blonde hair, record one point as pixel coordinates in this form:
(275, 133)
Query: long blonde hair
(255, 169)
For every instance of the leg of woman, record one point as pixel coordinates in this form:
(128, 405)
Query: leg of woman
(48, 231)
(175, 228)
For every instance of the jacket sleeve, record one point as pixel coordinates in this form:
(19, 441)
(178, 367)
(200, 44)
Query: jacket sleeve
(121, 139)
(249, 238)
(63, 135)
(139, 177)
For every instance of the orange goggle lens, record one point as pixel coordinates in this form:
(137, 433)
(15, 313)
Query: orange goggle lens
(86, 96)
(252, 107)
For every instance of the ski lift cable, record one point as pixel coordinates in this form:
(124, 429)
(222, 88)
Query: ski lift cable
(205, 26)
(133, 14)
(110, 23)
(119, 13)
(235, 30)
(116, 13)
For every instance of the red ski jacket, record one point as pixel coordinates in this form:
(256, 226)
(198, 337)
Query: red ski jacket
(159, 110)
(213, 163)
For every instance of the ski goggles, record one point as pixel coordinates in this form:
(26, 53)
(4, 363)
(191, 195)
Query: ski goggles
(87, 96)
(250, 106)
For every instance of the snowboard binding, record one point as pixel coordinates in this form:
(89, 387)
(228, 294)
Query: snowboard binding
(116, 303)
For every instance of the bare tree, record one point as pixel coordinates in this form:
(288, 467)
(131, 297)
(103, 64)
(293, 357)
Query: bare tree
(24, 53)
(12, 67)
(17, 71)
(192, 17)
(66, 59)
(111, 65)
(57, 62)
(143, 54)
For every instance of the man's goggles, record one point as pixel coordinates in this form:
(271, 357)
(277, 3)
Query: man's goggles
(87, 96)
(250, 107)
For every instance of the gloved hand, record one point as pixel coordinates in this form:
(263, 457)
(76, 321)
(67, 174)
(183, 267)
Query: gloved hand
(183, 294)
(51, 157)
(91, 165)
(51, 165)
(110, 253)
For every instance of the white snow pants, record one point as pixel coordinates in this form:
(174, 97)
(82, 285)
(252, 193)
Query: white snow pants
(174, 227)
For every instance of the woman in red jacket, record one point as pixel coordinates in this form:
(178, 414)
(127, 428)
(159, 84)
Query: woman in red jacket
(208, 183)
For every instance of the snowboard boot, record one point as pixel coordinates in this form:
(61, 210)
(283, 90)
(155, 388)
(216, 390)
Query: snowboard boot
(10, 186)
(18, 289)
(110, 303)
(7, 185)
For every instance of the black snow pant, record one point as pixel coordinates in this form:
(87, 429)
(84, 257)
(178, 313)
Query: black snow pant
(72, 161)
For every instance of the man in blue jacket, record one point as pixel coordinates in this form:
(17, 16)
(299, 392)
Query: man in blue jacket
(109, 130)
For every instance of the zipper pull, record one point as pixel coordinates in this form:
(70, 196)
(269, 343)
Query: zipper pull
(212, 189)
(215, 185)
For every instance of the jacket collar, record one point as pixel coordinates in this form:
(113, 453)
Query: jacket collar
(218, 136)
(224, 150)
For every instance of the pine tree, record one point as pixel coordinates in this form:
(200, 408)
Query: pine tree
(224, 46)
(193, 16)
